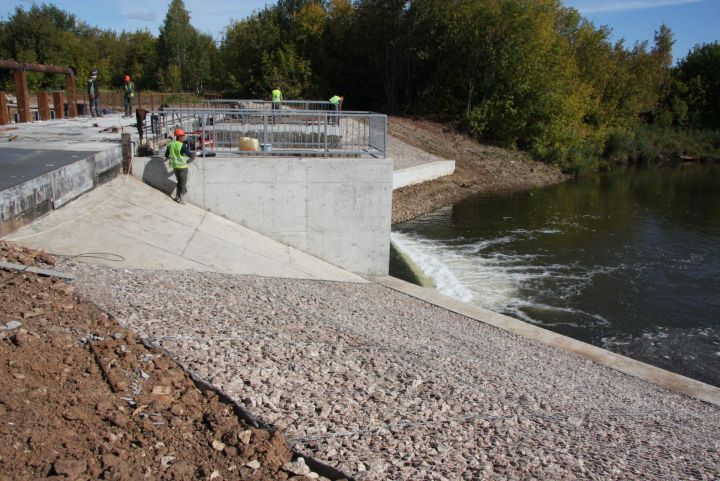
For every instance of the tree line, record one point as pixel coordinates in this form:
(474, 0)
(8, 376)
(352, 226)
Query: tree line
(529, 74)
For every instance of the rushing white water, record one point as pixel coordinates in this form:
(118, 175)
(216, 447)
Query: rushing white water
(629, 261)
(501, 282)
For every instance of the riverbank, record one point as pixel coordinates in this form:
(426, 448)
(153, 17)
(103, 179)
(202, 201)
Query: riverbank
(478, 168)
(387, 386)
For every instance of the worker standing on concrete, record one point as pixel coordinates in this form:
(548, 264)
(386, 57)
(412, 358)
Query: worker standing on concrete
(178, 155)
(93, 90)
(129, 94)
(337, 101)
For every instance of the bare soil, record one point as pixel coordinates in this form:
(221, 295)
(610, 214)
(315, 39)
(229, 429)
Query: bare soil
(81, 398)
(478, 168)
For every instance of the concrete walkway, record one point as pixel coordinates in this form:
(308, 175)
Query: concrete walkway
(85, 134)
(149, 231)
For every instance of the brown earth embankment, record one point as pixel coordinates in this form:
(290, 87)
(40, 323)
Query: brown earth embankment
(478, 168)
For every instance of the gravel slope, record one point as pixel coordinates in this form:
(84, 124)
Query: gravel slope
(402, 390)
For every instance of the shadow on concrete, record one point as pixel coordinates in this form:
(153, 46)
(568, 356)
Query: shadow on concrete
(157, 175)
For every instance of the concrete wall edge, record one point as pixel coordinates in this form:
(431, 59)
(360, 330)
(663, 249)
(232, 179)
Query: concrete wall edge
(646, 372)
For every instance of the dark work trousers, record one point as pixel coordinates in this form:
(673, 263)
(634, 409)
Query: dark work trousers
(95, 107)
(181, 176)
(127, 101)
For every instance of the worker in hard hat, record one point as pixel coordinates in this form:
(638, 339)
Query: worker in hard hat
(178, 155)
(276, 98)
(93, 90)
(337, 101)
(128, 95)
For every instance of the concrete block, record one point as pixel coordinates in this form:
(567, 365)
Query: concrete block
(422, 173)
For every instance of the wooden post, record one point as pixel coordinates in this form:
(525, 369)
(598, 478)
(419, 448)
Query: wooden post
(58, 105)
(43, 105)
(71, 96)
(23, 96)
(126, 153)
(4, 113)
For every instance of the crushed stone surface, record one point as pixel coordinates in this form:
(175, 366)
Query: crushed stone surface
(389, 387)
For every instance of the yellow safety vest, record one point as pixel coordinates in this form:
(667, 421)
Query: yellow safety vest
(176, 159)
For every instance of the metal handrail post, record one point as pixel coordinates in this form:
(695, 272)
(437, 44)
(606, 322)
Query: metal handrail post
(202, 142)
(265, 129)
(385, 141)
(326, 134)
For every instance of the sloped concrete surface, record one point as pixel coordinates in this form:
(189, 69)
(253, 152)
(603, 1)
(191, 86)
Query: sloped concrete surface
(149, 231)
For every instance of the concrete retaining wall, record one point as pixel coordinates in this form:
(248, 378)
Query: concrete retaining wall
(26, 202)
(422, 173)
(337, 209)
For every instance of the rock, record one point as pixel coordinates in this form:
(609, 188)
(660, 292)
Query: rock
(214, 474)
(298, 467)
(218, 445)
(254, 464)
(162, 391)
(162, 402)
(12, 325)
(69, 468)
(245, 436)
(166, 461)
(63, 288)
(37, 392)
(33, 313)
(21, 338)
(74, 414)
(116, 419)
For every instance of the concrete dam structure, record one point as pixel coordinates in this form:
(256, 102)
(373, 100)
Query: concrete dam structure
(337, 209)
(316, 179)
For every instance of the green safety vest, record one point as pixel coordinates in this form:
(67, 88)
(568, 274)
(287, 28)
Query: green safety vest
(276, 95)
(129, 89)
(335, 99)
(176, 159)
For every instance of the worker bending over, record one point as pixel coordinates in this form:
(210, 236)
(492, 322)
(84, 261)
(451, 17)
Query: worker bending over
(337, 101)
(178, 155)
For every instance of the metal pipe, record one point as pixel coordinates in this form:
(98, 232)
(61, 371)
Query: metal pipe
(34, 67)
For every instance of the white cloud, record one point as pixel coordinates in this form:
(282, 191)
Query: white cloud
(587, 6)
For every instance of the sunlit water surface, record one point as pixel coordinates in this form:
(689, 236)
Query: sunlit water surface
(628, 261)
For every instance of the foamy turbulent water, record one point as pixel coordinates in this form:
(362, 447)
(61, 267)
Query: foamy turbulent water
(629, 262)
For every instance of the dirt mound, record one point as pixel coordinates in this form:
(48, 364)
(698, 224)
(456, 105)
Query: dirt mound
(478, 168)
(81, 398)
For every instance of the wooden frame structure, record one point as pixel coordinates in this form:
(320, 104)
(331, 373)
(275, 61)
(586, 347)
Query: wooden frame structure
(23, 95)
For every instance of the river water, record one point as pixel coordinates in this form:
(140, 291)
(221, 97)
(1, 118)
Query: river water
(627, 261)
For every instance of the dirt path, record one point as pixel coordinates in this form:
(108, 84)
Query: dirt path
(478, 168)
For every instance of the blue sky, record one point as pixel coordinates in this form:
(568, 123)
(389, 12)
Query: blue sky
(692, 21)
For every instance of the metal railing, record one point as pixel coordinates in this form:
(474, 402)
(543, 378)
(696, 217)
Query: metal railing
(269, 104)
(273, 132)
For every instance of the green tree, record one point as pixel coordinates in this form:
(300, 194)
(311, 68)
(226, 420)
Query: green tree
(700, 73)
(175, 47)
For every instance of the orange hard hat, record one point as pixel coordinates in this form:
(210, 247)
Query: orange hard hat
(127, 77)
(179, 132)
